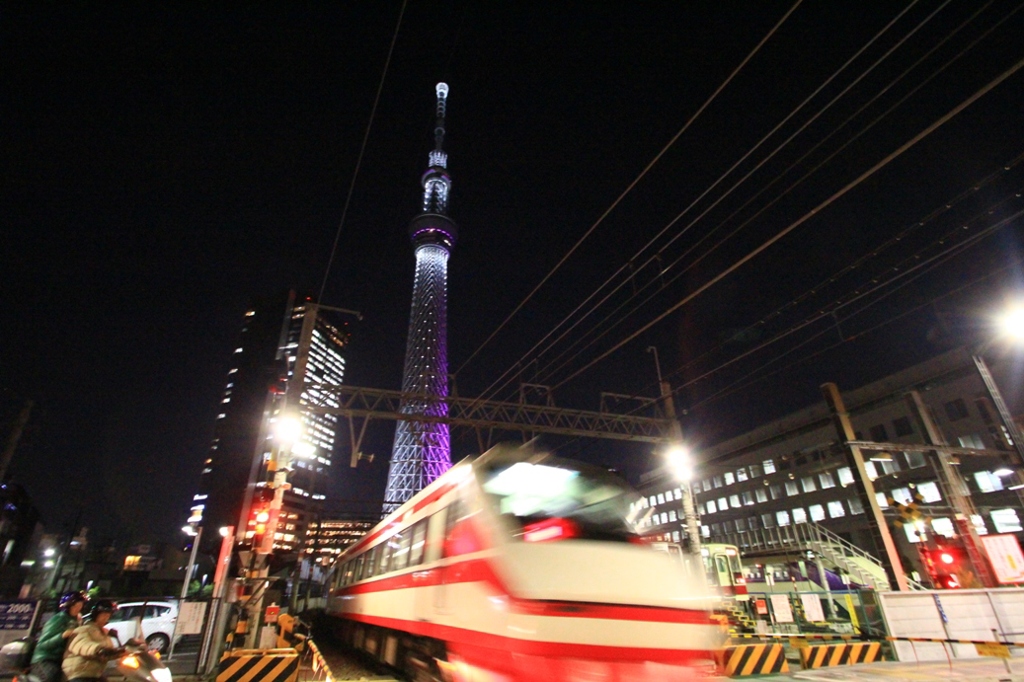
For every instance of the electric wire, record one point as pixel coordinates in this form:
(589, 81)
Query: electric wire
(711, 187)
(807, 216)
(656, 257)
(631, 185)
(362, 151)
(635, 308)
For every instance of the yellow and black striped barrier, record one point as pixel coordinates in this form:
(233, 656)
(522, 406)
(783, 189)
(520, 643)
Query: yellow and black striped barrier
(795, 639)
(751, 659)
(259, 665)
(828, 655)
(286, 635)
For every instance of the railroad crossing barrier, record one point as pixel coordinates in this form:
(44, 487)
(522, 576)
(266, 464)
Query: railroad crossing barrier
(827, 655)
(259, 665)
(319, 664)
(751, 659)
(286, 634)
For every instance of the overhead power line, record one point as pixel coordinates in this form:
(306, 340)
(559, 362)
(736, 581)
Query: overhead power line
(631, 185)
(362, 151)
(807, 216)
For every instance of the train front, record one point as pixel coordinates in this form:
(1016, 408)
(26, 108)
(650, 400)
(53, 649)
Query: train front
(587, 599)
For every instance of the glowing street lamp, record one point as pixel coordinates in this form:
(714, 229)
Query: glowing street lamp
(1011, 323)
(679, 461)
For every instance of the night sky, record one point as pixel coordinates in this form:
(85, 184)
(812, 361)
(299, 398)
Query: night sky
(162, 164)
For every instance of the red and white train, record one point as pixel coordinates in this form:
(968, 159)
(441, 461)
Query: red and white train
(517, 565)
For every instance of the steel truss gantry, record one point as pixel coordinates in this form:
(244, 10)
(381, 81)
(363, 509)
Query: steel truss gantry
(360, 405)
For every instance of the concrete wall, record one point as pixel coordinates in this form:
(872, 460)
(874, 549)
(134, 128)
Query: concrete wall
(969, 614)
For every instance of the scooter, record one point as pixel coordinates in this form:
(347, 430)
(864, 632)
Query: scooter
(135, 662)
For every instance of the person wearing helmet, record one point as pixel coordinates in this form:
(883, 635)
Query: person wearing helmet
(91, 647)
(53, 640)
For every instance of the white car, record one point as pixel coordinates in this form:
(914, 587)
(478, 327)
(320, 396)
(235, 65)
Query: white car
(156, 618)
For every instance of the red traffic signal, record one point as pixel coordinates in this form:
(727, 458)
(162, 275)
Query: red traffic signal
(945, 566)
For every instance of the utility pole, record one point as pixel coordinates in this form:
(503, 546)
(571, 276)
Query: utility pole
(14, 438)
(953, 488)
(676, 432)
(865, 488)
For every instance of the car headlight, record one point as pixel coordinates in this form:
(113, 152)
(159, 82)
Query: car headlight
(162, 675)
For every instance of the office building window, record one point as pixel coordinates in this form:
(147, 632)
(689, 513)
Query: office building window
(1006, 520)
(870, 468)
(915, 459)
(661, 498)
(734, 501)
(782, 517)
(943, 526)
(677, 494)
(972, 441)
(956, 410)
(791, 488)
(762, 495)
(979, 524)
(929, 491)
(756, 471)
(718, 481)
(855, 505)
(729, 478)
(817, 512)
(835, 509)
(741, 524)
(711, 507)
(902, 426)
(799, 515)
(769, 466)
(987, 481)
(767, 520)
(776, 491)
(883, 501)
(723, 504)
(808, 484)
(845, 476)
(705, 531)
(878, 433)
(741, 474)
(672, 515)
(675, 536)
(748, 499)
(901, 495)
(826, 480)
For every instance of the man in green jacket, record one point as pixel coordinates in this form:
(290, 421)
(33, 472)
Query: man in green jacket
(53, 640)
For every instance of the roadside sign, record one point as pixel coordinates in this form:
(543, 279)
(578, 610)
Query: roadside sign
(782, 609)
(1005, 555)
(271, 614)
(812, 607)
(17, 616)
(762, 607)
(993, 649)
(191, 615)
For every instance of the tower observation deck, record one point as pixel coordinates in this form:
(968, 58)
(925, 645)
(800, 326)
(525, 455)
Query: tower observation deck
(422, 451)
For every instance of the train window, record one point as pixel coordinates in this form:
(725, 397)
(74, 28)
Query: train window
(419, 538)
(347, 574)
(384, 564)
(400, 550)
(559, 500)
(372, 563)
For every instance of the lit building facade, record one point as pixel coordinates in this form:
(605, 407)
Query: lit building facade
(234, 477)
(795, 470)
(328, 538)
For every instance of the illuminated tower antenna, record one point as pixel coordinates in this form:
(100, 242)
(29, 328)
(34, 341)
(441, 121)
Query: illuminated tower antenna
(422, 451)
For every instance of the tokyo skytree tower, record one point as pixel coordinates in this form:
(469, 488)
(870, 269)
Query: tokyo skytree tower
(422, 451)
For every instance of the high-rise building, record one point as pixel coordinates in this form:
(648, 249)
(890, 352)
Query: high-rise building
(422, 451)
(275, 333)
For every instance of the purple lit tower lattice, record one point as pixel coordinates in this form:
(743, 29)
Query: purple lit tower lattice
(422, 451)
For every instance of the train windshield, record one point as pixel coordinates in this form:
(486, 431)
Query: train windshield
(558, 500)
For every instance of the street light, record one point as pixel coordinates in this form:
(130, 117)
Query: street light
(679, 460)
(1011, 323)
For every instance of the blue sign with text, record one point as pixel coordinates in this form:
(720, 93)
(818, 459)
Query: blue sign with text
(17, 614)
